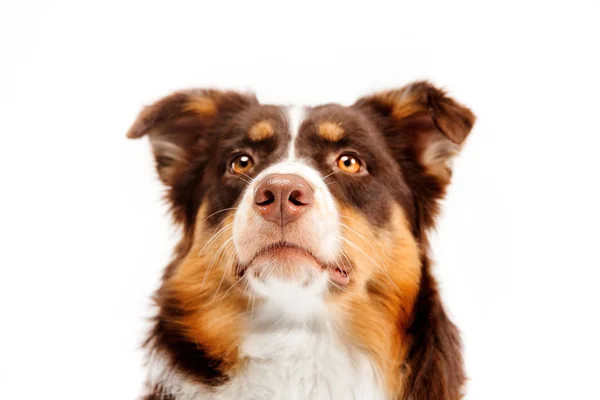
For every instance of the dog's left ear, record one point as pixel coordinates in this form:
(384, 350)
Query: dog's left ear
(422, 122)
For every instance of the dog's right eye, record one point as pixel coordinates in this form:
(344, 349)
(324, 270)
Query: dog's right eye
(241, 164)
(349, 163)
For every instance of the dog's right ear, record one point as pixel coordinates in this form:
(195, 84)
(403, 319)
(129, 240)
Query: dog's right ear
(181, 127)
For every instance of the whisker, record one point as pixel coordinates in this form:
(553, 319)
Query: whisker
(252, 312)
(351, 219)
(327, 176)
(231, 287)
(214, 237)
(355, 246)
(364, 239)
(220, 211)
(221, 223)
(347, 259)
(248, 297)
(245, 180)
(213, 259)
(225, 272)
(249, 177)
(339, 287)
(356, 221)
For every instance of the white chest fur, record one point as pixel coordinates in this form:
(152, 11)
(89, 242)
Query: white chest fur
(292, 351)
(298, 363)
(285, 363)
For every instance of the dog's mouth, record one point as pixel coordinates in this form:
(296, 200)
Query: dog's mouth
(287, 259)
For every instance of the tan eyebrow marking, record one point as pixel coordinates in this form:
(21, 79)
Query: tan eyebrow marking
(202, 106)
(260, 131)
(331, 131)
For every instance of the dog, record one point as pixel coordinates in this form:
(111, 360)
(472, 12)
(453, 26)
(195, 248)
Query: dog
(303, 270)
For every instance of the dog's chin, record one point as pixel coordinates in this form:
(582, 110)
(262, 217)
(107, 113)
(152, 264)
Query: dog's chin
(292, 264)
(285, 263)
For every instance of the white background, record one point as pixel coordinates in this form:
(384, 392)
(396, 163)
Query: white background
(84, 235)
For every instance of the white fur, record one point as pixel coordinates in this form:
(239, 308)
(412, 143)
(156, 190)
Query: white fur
(290, 355)
(295, 117)
(440, 150)
(284, 364)
(318, 230)
(293, 348)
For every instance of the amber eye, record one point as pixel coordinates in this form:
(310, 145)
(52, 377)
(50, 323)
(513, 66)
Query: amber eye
(348, 163)
(242, 164)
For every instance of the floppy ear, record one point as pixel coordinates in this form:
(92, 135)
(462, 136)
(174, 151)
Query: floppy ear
(422, 118)
(183, 128)
(424, 129)
(177, 126)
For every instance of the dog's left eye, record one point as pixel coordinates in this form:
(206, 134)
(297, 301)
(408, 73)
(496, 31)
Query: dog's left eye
(242, 164)
(349, 163)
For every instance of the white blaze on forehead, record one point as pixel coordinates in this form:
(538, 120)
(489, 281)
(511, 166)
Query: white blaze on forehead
(295, 116)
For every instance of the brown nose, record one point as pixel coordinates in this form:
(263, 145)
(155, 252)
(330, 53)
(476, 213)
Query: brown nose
(282, 198)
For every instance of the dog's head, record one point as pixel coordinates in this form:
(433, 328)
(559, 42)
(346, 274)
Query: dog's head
(301, 213)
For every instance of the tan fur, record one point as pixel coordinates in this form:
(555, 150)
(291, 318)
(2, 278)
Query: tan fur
(378, 302)
(260, 131)
(203, 284)
(331, 131)
(203, 106)
(450, 124)
(390, 308)
(385, 284)
(403, 103)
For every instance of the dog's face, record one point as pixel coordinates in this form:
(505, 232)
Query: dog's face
(301, 213)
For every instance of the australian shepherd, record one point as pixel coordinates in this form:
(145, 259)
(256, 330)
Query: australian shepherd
(303, 271)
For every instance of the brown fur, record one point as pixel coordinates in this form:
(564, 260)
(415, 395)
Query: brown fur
(198, 285)
(434, 363)
(410, 119)
(156, 394)
(188, 121)
(392, 307)
(386, 278)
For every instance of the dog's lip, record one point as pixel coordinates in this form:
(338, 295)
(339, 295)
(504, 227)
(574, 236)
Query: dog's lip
(273, 247)
(334, 269)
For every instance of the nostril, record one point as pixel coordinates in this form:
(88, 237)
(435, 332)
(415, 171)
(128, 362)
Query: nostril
(282, 198)
(297, 198)
(265, 198)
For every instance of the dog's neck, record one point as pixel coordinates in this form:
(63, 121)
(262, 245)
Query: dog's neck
(283, 357)
(298, 361)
